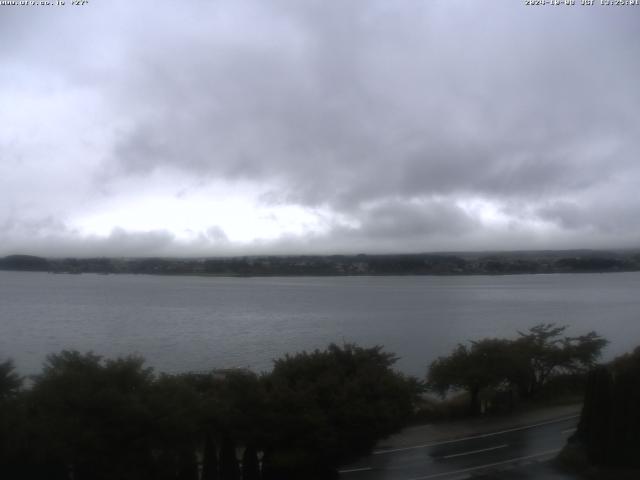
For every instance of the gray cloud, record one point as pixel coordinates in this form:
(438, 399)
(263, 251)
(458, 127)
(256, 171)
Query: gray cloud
(465, 109)
(389, 115)
(397, 219)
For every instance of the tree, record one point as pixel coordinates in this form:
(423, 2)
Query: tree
(232, 412)
(525, 364)
(609, 427)
(229, 468)
(542, 352)
(484, 364)
(209, 459)
(250, 464)
(13, 433)
(10, 381)
(175, 409)
(93, 417)
(595, 420)
(328, 406)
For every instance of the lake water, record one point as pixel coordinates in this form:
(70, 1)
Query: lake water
(199, 323)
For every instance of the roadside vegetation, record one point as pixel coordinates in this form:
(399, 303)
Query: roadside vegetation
(607, 441)
(496, 374)
(85, 417)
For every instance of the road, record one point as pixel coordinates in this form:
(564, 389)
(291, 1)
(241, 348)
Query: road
(465, 457)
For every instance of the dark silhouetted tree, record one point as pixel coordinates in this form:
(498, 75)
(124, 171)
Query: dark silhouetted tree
(187, 465)
(525, 364)
(483, 364)
(210, 459)
(229, 468)
(250, 464)
(92, 415)
(542, 352)
(610, 422)
(10, 381)
(328, 406)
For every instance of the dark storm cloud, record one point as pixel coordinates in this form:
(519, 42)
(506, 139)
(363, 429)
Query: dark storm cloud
(390, 114)
(352, 102)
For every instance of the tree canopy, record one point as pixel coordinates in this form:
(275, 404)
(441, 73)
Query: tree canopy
(483, 364)
(609, 427)
(90, 418)
(524, 364)
(542, 351)
(334, 404)
(10, 381)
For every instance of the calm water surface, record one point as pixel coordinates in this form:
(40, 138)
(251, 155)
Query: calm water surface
(197, 323)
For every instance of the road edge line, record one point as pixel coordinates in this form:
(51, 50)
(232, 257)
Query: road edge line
(473, 437)
(488, 465)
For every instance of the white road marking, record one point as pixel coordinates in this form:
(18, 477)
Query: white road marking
(568, 430)
(488, 465)
(473, 437)
(353, 470)
(472, 452)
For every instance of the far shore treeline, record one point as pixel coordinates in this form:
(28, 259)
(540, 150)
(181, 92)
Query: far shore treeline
(483, 263)
(85, 417)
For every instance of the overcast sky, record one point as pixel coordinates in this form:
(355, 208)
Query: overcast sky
(313, 126)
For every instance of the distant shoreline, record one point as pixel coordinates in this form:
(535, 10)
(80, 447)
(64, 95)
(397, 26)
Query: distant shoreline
(428, 264)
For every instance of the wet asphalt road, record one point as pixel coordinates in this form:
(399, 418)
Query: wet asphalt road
(465, 457)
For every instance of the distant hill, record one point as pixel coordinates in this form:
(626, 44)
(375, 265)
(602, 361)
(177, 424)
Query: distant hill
(459, 263)
(24, 263)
